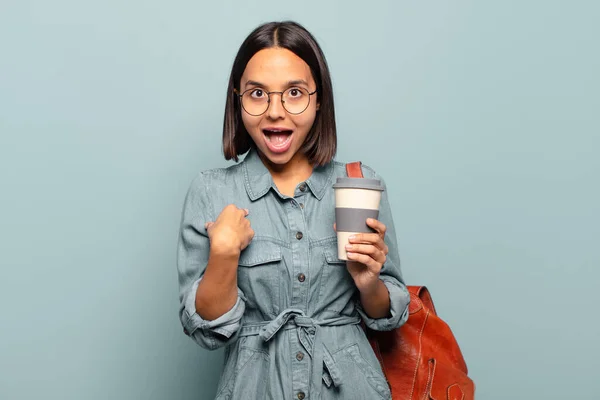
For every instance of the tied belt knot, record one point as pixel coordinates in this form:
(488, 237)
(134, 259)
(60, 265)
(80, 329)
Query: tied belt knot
(310, 337)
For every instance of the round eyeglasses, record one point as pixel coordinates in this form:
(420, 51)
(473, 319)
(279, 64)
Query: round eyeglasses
(256, 101)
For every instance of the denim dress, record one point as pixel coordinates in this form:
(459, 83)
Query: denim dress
(294, 332)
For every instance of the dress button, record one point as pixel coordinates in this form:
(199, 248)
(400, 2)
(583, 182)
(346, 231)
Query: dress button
(300, 395)
(302, 187)
(299, 235)
(301, 277)
(299, 356)
(301, 205)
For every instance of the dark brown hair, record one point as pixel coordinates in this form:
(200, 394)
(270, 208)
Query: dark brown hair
(321, 142)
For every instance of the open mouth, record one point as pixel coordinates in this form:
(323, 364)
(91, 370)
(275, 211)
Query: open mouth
(278, 140)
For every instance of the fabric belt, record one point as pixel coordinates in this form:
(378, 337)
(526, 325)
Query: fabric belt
(311, 339)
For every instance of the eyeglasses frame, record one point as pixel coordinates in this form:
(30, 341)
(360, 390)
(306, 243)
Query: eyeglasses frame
(237, 92)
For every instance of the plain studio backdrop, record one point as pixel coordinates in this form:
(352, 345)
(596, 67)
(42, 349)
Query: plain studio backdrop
(482, 117)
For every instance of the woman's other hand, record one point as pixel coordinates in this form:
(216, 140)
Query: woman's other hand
(231, 232)
(367, 253)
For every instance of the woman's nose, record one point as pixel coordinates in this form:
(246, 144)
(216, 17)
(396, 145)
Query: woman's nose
(275, 110)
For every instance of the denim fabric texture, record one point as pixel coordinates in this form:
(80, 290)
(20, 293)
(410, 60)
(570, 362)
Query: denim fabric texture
(294, 331)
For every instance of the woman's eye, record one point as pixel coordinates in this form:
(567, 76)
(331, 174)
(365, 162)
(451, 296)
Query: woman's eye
(257, 93)
(294, 92)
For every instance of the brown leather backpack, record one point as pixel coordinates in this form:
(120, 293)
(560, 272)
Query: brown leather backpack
(421, 360)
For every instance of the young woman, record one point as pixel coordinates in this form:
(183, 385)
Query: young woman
(257, 255)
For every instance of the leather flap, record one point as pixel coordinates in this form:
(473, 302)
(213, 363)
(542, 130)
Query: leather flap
(424, 295)
(415, 304)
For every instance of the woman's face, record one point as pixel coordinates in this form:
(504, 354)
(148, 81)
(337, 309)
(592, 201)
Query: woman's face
(278, 135)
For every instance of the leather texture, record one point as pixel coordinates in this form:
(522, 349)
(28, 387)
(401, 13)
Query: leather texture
(421, 359)
(354, 170)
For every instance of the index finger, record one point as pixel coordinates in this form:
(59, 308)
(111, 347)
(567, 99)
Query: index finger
(377, 225)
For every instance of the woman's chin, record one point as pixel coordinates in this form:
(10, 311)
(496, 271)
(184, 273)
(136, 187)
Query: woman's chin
(277, 160)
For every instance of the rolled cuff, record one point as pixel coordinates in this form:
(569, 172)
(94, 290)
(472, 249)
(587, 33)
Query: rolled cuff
(218, 332)
(399, 300)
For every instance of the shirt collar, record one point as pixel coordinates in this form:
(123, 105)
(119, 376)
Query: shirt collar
(258, 179)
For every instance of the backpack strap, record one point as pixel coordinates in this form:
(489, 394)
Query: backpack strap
(354, 170)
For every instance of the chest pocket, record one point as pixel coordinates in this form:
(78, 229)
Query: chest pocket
(337, 286)
(259, 269)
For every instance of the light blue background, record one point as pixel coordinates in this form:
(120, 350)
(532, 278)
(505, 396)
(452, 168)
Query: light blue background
(482, 116)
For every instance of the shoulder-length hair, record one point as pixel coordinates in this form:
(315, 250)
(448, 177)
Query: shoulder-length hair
(321, 142)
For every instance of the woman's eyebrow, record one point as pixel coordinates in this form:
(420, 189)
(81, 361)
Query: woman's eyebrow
(253, 83)
(290, 83)
(297, 82)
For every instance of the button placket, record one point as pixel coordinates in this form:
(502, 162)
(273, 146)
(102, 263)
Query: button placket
(299, 244)
(300, 370)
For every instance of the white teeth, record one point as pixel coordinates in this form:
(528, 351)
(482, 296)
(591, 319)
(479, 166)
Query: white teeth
(270, 133)
(276, 130)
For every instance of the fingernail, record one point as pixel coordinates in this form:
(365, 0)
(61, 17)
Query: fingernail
(349, 247)
(352, 237)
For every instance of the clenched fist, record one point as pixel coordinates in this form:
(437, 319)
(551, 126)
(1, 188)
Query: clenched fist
(231, 232)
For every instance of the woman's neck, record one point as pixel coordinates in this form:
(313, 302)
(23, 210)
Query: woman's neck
(287, 176)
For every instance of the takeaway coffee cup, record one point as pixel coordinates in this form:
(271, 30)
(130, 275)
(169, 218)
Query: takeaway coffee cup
(356, 199)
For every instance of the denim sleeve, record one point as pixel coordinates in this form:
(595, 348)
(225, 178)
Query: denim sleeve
(192, 258)
(390, 274)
